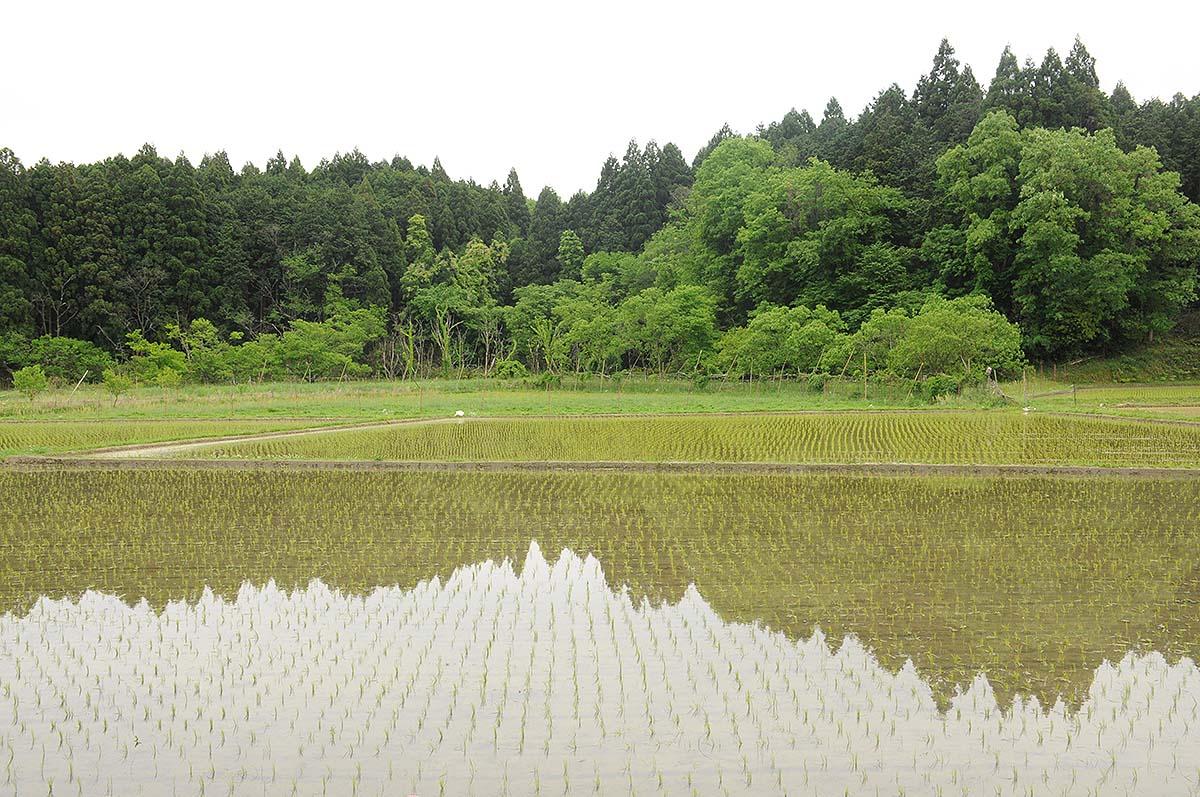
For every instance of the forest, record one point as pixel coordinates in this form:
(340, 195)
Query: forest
(943, 230)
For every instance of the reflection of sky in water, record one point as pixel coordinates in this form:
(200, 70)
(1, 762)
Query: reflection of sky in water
(547, 681)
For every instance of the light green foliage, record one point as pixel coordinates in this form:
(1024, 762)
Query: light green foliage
(454, 300)
(810, 235)
(30, 380)
(151, 360)
(780, 340)
(549, 345)
(419, 254)
(477, 271)
(962, 337)
(669, 330)
(204, 350)
(654, 329)
(116, 384)
(307, 350)
(591, 330)
(534, 306)
(509, 369)
(817, 235)
(570, 255)
(875, 339)
(169, 379)
(673, 256)
(331, 349)
(620, 275)
(716, 207)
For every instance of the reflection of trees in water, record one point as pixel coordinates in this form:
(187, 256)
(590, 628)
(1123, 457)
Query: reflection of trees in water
(1034, 581)
(543, 679)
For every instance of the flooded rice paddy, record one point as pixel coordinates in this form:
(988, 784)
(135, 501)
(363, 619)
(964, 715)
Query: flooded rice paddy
(547, 681)
(980, 438)
(686, 633)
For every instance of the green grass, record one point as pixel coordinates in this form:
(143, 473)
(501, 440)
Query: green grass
(377, 400)
(968, 438)
(48, 437)
(1175, 358)
(1033, 580)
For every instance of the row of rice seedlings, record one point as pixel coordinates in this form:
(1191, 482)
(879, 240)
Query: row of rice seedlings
(1141, 394)
(986, 438)
(40, 437)
(543, 682)
(1033, 580)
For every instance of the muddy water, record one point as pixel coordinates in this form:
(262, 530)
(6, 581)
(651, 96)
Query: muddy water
(549, 681)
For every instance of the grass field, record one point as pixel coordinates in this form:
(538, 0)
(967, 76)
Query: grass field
(380, 400)
(1032, 580)
(979, 438)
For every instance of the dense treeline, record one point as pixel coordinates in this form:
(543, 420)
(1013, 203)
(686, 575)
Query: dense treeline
(1039, 196)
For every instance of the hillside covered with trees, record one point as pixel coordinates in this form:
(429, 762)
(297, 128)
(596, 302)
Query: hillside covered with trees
(943, 229)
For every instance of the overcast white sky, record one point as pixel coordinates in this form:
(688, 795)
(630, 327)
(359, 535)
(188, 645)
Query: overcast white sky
(548, 87)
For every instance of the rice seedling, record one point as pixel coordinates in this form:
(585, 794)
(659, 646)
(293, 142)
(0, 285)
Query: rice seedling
(963, 438)
(44, 437)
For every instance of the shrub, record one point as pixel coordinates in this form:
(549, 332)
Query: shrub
(68, 359)
(510, 369)
(30, 380)
(116, 384)
(547, 379)
(168, 378)
(936, 387)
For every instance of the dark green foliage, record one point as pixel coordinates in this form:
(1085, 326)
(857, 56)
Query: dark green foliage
(633, 198)
(725, 132)
(17, 228)
(948, 99)
(516, 206)
(1083, 244)
(1053, 94)
(1018, 193)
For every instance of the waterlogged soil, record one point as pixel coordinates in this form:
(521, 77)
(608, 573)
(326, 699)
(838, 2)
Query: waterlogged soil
(1032, 580)
(495, 683)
